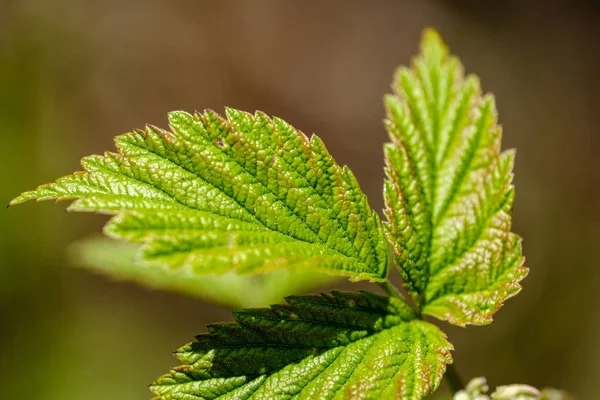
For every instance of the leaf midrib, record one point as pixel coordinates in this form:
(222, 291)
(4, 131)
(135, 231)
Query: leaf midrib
(436, 221)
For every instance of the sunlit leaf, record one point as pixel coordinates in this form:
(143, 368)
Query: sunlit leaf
(449, 193)
(244, 193)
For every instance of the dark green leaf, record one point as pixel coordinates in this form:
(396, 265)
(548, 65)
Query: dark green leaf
(335, 346)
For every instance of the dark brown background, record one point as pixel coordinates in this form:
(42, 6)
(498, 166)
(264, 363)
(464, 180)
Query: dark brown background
(73, 74)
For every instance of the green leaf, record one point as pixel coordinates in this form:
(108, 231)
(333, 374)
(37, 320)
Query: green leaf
(449, 193)
(335, 346)
(245, 193)
(117, 259)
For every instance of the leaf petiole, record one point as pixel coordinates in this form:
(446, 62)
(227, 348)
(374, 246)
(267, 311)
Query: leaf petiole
(392, 291)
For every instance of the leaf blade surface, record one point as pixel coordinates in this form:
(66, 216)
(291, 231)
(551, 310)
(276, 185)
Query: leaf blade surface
(243, 192)
(449, 192)
(334, 346)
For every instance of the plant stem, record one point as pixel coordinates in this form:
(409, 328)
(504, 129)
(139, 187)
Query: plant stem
(391, 290)
(453, 379)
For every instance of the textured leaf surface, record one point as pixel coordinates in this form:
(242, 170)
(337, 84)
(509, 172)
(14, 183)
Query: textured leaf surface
(117, 260)
(335, 346)
(449, 195)
(244, 193)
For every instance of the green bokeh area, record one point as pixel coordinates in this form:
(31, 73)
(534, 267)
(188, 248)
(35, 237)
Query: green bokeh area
(74, 74)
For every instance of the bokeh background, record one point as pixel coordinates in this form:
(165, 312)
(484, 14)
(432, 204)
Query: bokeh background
(73, 74)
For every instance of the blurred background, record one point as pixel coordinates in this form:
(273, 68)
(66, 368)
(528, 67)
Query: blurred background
(73, 74)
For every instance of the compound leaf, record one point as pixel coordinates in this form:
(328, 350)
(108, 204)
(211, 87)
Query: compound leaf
(333, 346)
(449, 192)
(117, 259)
(244, 193)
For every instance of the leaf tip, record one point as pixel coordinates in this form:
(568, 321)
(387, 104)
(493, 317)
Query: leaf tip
(390, 101)
(509, 155)
(178, 117)
(22, 198)
(232, 113)
(432, 44)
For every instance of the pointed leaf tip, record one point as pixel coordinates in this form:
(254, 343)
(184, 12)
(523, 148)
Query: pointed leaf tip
(432, 45)
(243, 193)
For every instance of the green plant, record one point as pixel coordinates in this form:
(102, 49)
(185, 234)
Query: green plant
(215, 200)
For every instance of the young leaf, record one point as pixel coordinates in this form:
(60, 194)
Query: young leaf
(448, 194)
(336, 346)
(245, 193)
(477, 388)
(117, 259)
